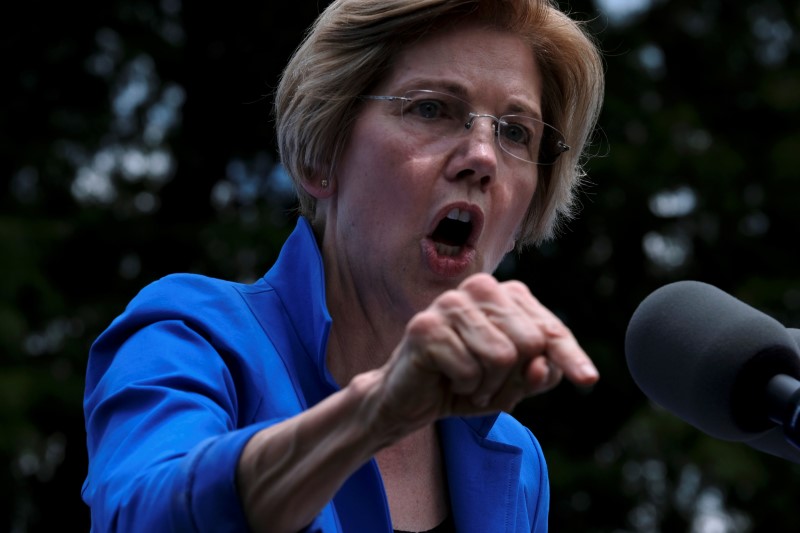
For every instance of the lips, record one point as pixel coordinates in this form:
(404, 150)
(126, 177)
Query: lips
(449, 246)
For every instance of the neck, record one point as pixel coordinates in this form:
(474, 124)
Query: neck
(415, 481)
(367, 325)
(355, 347)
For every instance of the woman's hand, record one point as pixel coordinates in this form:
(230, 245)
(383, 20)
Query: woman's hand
(480, 348)
(477, 349)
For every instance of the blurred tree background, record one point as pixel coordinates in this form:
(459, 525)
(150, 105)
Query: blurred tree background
(137, 141)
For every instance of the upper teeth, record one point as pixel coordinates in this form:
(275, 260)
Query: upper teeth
(458, 214)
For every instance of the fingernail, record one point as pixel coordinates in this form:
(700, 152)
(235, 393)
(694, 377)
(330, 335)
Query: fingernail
(588, 371)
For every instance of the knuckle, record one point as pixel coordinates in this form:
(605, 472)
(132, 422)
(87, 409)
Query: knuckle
(517, 286)
(480, 284)
(557, 329)
(519, 289)
(424, 323)
(467, 374)
(504, 356)
(533, 341)
(451, 300)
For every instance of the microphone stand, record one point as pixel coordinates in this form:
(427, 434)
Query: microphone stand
(783, 405)
(783, 400)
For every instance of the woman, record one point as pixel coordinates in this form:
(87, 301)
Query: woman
(359, 386)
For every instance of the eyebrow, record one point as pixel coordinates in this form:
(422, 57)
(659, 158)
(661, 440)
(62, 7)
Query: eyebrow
(525, 109)
(519, 106)
(444, 86)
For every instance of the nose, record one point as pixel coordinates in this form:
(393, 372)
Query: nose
(471, 120)
(478, 150)
(485, 131)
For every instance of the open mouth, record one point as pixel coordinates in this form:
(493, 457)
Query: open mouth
(453, 232)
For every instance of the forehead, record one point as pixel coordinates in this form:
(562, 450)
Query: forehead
(470, 58)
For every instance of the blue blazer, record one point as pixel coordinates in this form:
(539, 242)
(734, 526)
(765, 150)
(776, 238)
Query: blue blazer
(195, 366)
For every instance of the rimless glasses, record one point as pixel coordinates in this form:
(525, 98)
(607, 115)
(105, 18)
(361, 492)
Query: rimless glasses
(432, 115)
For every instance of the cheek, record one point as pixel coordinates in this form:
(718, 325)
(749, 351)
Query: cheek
(374, 152)
(380, 181)
(520, 199)
(517, 201)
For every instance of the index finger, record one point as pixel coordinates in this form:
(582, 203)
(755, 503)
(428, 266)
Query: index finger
(561, 347)
(563, 350)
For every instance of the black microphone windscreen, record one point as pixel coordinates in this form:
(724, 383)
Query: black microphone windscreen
(706, 356)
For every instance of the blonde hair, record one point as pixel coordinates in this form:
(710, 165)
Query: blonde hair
(350, 48)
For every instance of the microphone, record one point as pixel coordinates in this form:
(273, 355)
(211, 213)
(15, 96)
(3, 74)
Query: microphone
(724, 367)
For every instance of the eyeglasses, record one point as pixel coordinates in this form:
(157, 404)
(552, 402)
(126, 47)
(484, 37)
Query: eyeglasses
(433, 115)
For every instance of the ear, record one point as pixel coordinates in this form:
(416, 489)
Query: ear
(319, 187)
(512, 242)
(511, 246)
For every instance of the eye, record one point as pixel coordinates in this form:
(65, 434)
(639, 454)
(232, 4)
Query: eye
(515, 132)
(430, 109)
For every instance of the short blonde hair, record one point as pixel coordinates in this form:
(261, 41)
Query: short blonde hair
(351, 46)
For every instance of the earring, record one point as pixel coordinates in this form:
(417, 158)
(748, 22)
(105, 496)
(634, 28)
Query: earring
(324, 184)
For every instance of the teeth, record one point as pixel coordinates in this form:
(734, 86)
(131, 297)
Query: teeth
(447, 250)
(458, 214)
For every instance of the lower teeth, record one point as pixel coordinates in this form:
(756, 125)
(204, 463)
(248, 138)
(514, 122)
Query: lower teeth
(444, 249)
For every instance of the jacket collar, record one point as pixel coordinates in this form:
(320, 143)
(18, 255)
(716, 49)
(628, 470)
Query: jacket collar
(298, 280)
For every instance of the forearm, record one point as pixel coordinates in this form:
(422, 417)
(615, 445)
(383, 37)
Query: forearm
(288, 472)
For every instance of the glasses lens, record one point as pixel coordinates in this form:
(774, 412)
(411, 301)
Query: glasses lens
(530, 139)
(520, 136)
(433, 115)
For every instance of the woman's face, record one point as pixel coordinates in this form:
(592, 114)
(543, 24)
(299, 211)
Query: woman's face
(392, 189)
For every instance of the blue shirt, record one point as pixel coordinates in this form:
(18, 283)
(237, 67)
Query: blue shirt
(195, 366)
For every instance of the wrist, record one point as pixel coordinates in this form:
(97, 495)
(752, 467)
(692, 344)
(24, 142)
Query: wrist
(368, 391)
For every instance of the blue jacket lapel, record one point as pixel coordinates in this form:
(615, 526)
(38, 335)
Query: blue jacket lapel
(482, 476)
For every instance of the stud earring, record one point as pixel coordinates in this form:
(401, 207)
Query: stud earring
(324, 184)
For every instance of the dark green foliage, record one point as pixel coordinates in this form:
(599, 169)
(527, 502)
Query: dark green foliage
(695, 177)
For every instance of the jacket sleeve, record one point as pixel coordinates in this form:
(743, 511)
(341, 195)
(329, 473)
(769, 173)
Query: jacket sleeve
(175, 387)
(161, 414)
